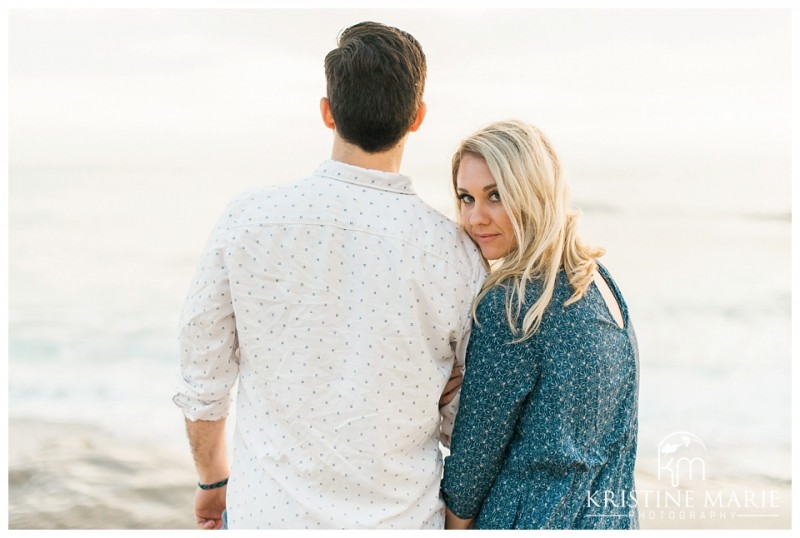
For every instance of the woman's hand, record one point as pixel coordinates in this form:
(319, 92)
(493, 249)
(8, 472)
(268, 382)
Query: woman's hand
(455, 523)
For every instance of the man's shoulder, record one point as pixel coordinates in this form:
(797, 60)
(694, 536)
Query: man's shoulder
(448, 240)
(450, 234)
(267, 192)
(263, 197)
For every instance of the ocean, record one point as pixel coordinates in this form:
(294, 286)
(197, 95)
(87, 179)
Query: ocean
(119, 170)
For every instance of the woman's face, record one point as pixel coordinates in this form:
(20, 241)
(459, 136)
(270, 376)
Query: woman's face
(482, 212)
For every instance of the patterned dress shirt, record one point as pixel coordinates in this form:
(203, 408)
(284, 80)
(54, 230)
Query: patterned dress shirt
(348, 299)
(545, 436)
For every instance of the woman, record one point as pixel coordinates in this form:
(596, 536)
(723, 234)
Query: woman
(545, 436)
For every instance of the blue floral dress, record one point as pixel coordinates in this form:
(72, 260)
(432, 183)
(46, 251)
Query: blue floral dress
(545, 436)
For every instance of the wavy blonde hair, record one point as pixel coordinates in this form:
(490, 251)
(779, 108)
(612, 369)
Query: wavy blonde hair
(535, 196)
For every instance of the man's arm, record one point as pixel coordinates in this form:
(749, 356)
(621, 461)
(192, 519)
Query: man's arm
(207, 440)
(209, 367)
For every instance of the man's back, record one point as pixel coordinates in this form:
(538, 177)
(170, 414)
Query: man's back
(349, 295)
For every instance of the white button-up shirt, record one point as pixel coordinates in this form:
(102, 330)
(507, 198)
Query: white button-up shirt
(349, 299)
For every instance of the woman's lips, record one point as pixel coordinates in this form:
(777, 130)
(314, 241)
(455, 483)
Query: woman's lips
(485, 238)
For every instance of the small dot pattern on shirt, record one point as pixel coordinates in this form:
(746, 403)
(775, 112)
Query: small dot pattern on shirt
(346, 295)
(548, 426)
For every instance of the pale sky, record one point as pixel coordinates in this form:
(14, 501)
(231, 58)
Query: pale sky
(662, 94)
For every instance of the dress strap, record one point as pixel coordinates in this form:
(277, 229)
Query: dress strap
(623, 306)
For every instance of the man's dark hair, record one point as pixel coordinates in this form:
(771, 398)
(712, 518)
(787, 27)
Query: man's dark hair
(376, 77)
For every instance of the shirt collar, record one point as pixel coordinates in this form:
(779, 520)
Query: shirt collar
(376, 179)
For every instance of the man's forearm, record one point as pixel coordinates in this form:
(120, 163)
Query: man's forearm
(207, 439)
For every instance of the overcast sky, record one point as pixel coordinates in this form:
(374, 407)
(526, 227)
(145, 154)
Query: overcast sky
(673, 95)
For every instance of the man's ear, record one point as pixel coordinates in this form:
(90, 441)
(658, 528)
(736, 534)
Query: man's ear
(420, 117)
(325, 111)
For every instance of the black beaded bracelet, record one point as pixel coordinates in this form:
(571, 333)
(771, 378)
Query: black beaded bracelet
(215, 485)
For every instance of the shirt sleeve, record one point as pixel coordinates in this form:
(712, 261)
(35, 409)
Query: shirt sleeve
(448, 412)
(499, 377)
(207, 336)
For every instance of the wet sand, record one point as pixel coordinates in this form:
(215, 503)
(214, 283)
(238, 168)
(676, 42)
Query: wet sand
(79, 477)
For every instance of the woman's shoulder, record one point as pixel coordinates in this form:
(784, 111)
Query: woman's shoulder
(492, 328)
(499, 293)
(493, 306)
(494, 299)
(490, 312)
(493, 303)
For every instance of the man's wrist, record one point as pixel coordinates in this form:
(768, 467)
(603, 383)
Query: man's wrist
(213, 485)
(209, 474)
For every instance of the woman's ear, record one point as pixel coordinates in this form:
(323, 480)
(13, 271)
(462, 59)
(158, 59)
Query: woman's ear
(325, 111)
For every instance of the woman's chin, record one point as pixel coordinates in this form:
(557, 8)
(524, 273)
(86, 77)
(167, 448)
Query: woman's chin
(494, 254)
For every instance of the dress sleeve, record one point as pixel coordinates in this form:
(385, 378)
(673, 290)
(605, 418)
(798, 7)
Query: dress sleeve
(207, 336)
(499, 376)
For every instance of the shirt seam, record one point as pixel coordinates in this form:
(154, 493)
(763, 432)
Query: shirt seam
(386, 188)
(472, 283)
(326, 224)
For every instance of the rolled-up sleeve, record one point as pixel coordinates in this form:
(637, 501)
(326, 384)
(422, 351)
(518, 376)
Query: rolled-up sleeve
(207, 337)
(496, 382)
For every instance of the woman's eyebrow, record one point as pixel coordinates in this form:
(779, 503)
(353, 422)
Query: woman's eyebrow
(486, 188)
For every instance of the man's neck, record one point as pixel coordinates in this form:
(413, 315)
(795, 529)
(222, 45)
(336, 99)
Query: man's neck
(386, 161)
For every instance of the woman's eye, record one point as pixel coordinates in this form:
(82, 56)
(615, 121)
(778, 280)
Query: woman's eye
(466, 199)
(494, 196)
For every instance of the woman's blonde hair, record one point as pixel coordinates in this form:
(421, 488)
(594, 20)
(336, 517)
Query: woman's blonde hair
(528, 176)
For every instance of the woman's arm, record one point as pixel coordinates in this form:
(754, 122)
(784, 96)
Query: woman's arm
(499, 377)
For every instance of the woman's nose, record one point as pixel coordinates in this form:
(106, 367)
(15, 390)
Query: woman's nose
(478, 215)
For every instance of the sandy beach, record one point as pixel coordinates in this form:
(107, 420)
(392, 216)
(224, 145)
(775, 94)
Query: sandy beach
(714, 503)
(79, 477)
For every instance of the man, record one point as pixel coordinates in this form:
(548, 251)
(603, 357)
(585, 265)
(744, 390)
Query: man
(340, 303)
